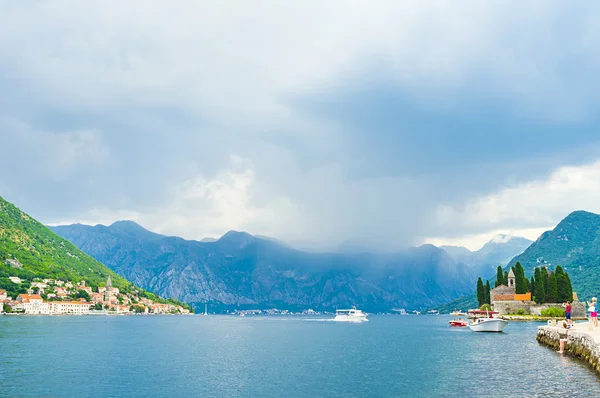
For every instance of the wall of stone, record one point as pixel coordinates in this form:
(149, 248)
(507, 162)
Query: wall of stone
(580, 344)
(530, 307)
(512, 307)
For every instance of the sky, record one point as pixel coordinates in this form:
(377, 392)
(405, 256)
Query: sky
(379, 123)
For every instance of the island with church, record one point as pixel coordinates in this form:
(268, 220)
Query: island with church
(58, 297)
(543, 295)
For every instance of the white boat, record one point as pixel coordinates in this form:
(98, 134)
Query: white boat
(488, 325)
(457, 313)
(352, 315)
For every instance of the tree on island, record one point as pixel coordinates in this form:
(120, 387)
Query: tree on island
(505, 279)
(539, 293)
(499, 277)
(569, 287)
(487, 293)
(544, 278)
(552, 293)
(562, 285)
(480, 292)
(520, 284)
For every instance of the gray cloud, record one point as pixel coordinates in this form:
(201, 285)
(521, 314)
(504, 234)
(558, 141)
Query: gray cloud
(356, 126)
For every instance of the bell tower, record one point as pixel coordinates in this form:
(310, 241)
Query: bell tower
(511, 279)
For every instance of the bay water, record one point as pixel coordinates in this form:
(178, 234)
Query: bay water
(256, 356)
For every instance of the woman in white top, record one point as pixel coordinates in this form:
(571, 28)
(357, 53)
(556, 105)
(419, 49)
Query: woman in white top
(593, 311)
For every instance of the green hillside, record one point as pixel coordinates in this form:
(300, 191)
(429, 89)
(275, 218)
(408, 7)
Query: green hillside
(575, 245)
(44, 254)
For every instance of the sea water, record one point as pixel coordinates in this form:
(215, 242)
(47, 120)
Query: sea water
(252, 356)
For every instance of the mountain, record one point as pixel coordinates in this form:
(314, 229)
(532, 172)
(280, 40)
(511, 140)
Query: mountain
(458, 253)
(498, 251)
(575, 245)
(41, 253)
(241, 270)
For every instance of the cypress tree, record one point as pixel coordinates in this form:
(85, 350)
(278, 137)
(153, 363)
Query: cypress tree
(559, 271)
(480, 292)
(544, 277)
(499, 277)
(562, 285)
(552, 293)
(520, 284)
(487, 293)
(532, 286)
(505, 278)
(527, 285)
(569, 287)
(539, 293)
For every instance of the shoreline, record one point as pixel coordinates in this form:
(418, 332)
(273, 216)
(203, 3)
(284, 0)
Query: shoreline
(583, 343)
(535, 318)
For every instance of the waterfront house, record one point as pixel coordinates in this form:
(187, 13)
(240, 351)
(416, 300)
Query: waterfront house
(33, 304)
(70, 307)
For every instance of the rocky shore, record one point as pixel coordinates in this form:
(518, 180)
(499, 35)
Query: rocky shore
(583, 343)
(534, 318)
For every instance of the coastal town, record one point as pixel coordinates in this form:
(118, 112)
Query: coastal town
(58, 297)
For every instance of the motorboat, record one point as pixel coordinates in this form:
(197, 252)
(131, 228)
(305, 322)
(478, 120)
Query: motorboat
(457, 313)
(352, 315)
(488, 324)
(459, 322)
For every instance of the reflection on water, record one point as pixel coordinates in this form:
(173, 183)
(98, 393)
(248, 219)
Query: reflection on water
(220, 356)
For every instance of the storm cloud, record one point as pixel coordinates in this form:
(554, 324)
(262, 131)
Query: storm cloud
(383, 122)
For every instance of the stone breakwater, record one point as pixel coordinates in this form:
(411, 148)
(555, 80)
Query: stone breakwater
(583, 343)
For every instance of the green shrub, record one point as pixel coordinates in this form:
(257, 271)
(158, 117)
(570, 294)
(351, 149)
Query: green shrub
(521, 311)
(486, 307)
(554, 312)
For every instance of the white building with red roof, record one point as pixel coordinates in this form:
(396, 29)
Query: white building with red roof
(33, 304)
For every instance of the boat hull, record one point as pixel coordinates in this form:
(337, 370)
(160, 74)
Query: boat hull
(352, 318)
(458, 324)
(492, 325)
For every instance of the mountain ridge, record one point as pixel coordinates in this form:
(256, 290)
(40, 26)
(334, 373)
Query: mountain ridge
(573, 244)
(241, 269)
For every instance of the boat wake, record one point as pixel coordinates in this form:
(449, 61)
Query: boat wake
(320, 320)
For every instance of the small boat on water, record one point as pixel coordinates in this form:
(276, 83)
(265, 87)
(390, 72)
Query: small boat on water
(352, 315)
(458, 313)
(488, 324)
(459, 322)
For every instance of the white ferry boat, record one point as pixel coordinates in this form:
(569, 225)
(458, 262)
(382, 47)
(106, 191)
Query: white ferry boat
(352, 315)
(488, 325)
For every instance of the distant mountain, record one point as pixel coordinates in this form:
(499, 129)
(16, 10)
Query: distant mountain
(241, 270)
(498, 251)
(459, 253)
(44, 254)
(575, 245)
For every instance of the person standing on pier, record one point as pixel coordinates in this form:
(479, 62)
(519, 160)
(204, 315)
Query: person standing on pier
(568, 309)
(593, 311)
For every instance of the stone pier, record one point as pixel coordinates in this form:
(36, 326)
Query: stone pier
(584, 341)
